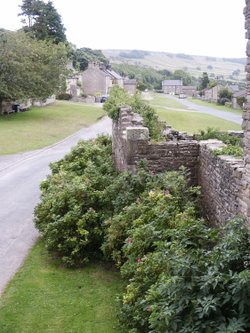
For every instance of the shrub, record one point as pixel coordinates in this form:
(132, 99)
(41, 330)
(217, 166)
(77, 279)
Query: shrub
(72, 209)
(192, 281)
(64, 96)
(119, 97)
(234, 144)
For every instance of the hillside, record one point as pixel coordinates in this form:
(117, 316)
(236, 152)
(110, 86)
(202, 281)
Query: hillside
(229, 68)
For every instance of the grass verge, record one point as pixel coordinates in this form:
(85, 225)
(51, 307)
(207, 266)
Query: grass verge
(215, 106)
(46, 298)
(192, 122)
(163, 100)
(40, 127)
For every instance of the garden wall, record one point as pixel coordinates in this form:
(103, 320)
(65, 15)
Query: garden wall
(220, 177)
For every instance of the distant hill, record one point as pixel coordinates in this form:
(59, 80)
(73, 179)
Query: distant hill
(229, 68)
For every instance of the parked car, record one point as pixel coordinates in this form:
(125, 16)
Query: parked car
(103, 98)
(182, 96)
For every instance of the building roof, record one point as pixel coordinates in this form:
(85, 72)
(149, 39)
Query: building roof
(112, 73)
(242, 93)
(130, 81)
(172, 83)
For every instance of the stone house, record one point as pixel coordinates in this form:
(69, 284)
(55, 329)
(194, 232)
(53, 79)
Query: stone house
(172, 87)
(98, 79)
(130, 86)
(212, 94)
(236, 96)
(189, 90)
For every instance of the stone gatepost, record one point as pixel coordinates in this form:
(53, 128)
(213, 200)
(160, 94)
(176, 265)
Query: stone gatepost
(245, 195)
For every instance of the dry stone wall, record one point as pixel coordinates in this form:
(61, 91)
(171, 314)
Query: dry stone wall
(131, 144)
(245, 193)
(220, 177)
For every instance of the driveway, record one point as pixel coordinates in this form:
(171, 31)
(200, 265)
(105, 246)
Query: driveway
(20, 176)
(208, 110)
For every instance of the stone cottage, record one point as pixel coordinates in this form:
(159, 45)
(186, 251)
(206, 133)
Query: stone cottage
(98, 79)
(173, 87)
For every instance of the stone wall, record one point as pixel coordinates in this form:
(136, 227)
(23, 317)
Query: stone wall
(220, 177)
(245, 194)
(131, 144)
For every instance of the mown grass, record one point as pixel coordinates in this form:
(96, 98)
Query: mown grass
(40, 127)
(163, 100)
(215, 106)
(192, 122)
(46, 298)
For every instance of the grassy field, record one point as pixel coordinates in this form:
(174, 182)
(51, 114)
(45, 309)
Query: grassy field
(163, 100)
(46, 298)
(192, 122)
(194, 64)
(215, 106)
(40, 127)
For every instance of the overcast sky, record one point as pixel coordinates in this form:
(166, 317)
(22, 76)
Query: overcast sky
(198, 27)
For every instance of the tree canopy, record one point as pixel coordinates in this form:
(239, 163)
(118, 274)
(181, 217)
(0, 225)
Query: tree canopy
(30, 68)
(42, 21)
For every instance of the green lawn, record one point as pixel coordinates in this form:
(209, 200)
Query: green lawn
(215, 106)
(163, 100)
(192, 122)
(46, 298)
(40, 127)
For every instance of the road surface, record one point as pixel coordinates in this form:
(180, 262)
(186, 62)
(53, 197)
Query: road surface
(20, 176)
(208, 110)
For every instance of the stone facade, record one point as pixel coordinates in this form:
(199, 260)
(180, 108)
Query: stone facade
(98, 80)
(220, 178)
(245, 195)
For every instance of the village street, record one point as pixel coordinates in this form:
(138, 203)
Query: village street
(20, 176)
(208, 110)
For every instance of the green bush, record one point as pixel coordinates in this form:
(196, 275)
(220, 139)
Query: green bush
(189, 278)
(234, 144)
(119, 97)
(72, 209)
(64, 96)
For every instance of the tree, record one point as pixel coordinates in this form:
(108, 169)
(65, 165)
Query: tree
(30, 68)
(224, 96)
(186, 78)
(204, 81)
(42, 21)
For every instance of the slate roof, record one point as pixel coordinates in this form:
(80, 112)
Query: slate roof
(112, 74)
(172, 83)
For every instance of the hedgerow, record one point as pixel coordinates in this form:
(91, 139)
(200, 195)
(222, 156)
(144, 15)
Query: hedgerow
(182, 275)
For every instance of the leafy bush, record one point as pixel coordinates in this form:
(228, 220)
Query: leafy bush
(72, 208)
(119, 97)
(234, 144)
(64, 96)
(191, 280)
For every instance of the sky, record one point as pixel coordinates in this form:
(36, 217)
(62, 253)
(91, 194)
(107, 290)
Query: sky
(196, 27)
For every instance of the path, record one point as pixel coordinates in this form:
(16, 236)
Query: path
(208, 110)
(20, 176)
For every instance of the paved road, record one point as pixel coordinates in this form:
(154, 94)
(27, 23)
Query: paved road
(209, 110)
(20, 176)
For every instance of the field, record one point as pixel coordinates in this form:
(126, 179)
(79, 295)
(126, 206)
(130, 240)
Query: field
(193, 122)
(44, 297)
(182, 119)
(40, 127)
(194, 64)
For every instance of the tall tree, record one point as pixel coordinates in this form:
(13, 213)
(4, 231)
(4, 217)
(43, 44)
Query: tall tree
(42, 21)
(204, 81)
(30, 68)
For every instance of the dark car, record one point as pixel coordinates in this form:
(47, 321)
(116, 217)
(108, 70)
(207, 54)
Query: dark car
(103, 99)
